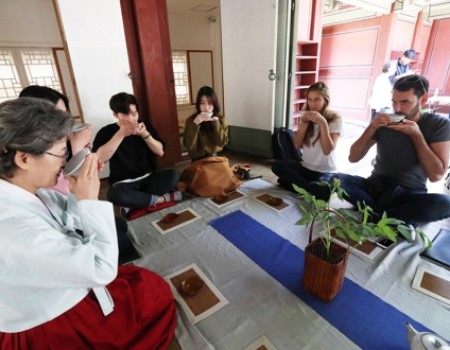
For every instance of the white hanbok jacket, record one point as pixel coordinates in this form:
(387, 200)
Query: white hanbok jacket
(47, 265)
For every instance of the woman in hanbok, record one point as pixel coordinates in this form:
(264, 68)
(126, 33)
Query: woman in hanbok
(60, 283)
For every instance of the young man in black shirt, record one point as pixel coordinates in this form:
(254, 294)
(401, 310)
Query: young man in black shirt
(131, 147)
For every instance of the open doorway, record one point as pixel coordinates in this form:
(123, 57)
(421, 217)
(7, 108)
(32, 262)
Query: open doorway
(192, 69)
(250, 92)
(195, 37)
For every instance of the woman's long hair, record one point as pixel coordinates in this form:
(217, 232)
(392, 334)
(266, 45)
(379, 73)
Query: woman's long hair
(322, 88)
(210, 94)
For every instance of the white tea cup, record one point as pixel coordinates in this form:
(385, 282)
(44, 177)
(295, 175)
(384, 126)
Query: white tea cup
(73, 166)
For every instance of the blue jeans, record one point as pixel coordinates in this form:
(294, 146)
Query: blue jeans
(383, 194)
(293, 172)
(145, 192)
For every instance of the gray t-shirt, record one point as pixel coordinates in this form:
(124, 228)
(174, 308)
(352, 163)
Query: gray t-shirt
(397, 156)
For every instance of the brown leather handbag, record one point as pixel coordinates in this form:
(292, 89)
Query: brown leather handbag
(207, 177)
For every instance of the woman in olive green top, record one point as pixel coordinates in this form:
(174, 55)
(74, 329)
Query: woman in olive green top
(206, 131)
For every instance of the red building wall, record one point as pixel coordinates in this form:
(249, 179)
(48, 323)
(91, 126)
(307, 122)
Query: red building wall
(436, 63)
(352, 55)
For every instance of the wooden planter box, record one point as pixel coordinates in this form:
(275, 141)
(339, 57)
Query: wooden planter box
(321, 278)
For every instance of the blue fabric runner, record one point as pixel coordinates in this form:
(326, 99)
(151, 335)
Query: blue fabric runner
(361, 316)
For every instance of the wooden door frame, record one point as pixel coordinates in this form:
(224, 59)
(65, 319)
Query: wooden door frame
(147, 36)
(128, 16)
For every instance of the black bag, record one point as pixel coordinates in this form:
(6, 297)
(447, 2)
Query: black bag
(283, 146)
(242, 170)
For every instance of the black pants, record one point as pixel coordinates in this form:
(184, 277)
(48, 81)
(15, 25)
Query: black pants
(139, 194)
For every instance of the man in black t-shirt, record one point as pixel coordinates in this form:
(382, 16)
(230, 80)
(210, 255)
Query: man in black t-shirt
(131, 147)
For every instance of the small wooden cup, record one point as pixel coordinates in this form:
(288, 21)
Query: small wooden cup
(191, 285)
(274, 201)
(169, 217)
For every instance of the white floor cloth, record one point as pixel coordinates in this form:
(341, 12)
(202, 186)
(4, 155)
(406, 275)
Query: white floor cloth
(259, 305)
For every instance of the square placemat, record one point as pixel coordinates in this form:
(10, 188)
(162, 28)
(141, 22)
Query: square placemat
(182, 218)
(221, 201)
(205, 302)
(266, 200)
(367, 249)
(432, 284)
(262, 343)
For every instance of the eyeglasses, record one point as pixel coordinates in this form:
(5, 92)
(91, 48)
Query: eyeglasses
(65, 156)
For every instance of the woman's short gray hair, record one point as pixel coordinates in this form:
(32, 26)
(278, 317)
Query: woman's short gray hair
(29, 125)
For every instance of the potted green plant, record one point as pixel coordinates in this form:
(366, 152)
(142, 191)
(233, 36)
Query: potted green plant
(325, 260)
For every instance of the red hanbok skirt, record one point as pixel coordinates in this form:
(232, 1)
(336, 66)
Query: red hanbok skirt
(144, 317)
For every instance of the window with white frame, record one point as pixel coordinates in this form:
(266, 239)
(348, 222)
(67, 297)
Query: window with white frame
(20, 67)
(181, 77)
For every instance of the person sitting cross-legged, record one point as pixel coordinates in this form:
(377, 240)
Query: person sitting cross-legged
(409, 153)
(317, 135)
(131, 147)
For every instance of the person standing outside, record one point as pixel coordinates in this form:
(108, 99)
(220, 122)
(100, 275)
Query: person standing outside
(381, 92)
(401, 66)
(409, 153)
(317, 135)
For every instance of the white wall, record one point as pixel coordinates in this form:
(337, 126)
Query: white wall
(96, 43)
(97, 49)
(28, 23)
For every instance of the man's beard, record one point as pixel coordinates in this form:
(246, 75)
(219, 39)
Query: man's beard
(414, 112)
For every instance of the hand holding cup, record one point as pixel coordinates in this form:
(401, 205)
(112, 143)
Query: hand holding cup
(128, 128)
(86, 185)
